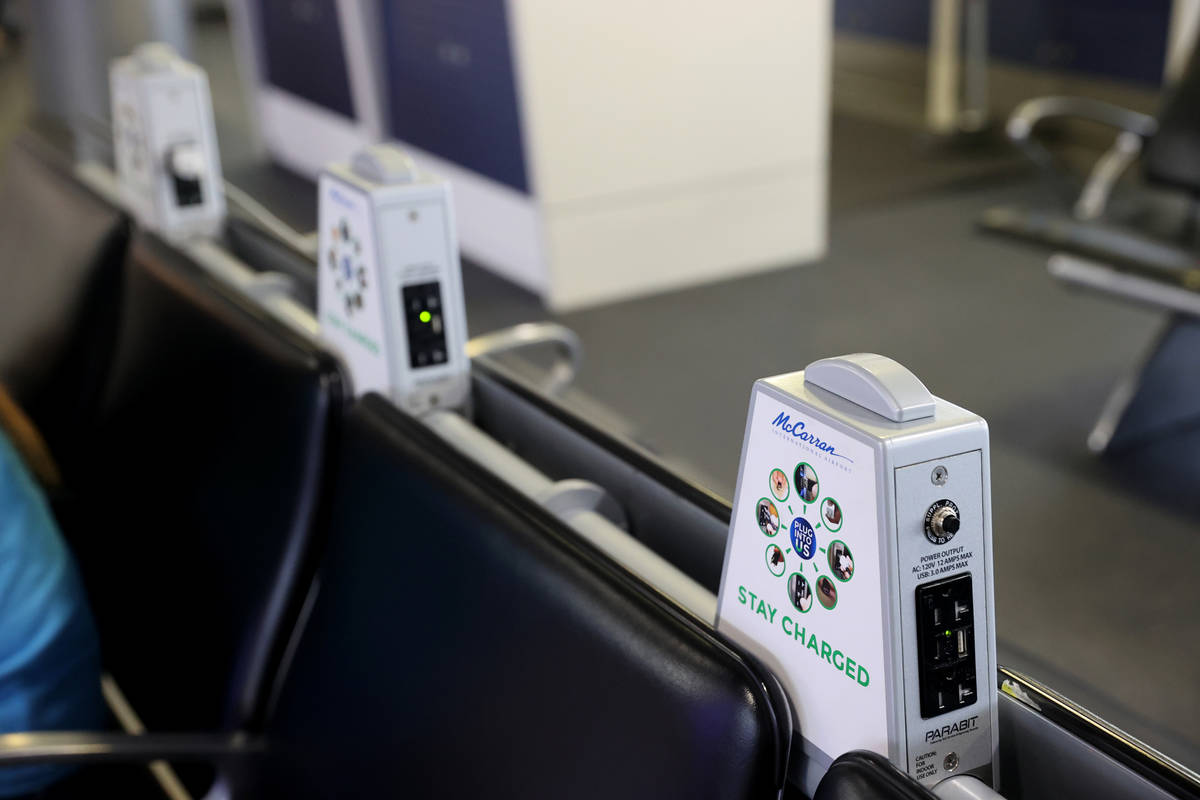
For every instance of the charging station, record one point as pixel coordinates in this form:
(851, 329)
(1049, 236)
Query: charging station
(165, 143)
(859, 566)
(389, 292)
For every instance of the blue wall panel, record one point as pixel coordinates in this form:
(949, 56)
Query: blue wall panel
(1121, 39)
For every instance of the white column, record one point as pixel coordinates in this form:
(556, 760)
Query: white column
(942, 84)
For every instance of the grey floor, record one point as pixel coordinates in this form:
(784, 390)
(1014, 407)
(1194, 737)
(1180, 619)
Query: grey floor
(1097, 561)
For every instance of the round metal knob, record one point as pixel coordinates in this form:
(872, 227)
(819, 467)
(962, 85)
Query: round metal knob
(942, 522)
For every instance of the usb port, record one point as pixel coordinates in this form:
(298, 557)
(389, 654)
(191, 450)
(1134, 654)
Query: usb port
(961, 640)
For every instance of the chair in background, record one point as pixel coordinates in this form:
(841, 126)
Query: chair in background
(1167, 147)
(1159, 393)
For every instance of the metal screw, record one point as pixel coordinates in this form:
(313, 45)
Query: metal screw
(940, 475)
(950, 763)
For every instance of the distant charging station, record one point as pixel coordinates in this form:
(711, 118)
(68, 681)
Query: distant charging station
(389, 292)
(165, 143)
(859, 566)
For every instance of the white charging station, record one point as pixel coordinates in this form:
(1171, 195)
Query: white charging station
(859, 566)
(389, 293)
(165, 143)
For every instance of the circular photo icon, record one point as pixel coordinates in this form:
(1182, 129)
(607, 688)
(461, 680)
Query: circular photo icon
(767, 516)
(826, 592)
(831, 514)
(804, 539)
(841, 563)
(775, 561)
(807, 485)
(779, 485)
(800, 593)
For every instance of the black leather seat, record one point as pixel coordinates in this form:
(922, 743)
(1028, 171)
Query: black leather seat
(201, 501)
(863, 775)
(463, 643)
(62, 249)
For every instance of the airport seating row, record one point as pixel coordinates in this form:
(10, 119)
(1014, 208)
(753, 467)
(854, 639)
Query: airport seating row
(358, 607)
(307, 595)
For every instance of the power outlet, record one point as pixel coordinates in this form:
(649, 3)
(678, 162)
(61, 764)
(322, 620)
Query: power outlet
(946, 645)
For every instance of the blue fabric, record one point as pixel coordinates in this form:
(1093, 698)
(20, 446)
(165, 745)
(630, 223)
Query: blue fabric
(49, 655)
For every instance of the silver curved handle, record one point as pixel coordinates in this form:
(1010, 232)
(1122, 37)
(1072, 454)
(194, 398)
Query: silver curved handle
(875, 382)
(534, 334)
(1031, 113)
(1027, 115)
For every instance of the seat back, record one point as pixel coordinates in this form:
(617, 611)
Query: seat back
(61, 253)
(201, 499)
(461, 642)
(1172, 156)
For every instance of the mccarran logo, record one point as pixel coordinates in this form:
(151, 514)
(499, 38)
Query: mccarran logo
(947, 731)
(796, 429)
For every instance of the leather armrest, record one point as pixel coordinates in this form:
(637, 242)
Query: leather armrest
(862, 775)
(532, 334)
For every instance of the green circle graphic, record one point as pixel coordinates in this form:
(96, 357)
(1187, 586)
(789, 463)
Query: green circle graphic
(825, 520)
(829, 561)
(800, 493)
(812, 593)
(783, 563)
(817, 592)
(757, 506)
(771, 486)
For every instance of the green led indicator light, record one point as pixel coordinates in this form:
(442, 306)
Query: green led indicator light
(425, 316)
(947, 633)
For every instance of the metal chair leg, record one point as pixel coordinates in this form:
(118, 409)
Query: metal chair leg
(1159, 394)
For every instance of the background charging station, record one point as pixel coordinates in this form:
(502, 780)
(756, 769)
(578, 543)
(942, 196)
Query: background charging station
(165, 143)
(389, 290)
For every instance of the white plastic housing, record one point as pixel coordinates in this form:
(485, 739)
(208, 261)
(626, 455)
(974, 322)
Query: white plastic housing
(165, 143)
(846, 647)
(387, 240)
